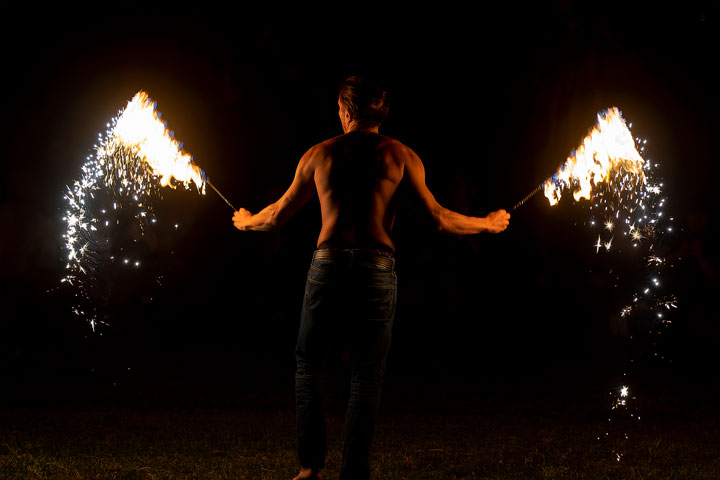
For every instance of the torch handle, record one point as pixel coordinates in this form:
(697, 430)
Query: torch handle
(527, 197)
(207, 182)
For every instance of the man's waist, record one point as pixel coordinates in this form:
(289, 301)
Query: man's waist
(345, 245)
(357, 256)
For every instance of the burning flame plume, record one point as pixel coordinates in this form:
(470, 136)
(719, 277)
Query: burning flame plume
(111, 205)
(607, 150)
(140, 129)
(626, 201)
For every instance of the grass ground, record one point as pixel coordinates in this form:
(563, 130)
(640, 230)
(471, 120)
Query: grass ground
(463, 436)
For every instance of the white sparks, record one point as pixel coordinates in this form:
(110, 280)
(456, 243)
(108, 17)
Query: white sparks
(608, 244)
(134, 158)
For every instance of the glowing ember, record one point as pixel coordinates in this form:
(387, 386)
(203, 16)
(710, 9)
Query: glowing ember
(609, 148)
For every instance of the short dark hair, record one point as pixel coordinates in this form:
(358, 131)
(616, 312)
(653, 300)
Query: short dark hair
(365, 99)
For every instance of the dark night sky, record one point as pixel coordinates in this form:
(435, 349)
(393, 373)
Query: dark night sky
(492, 101)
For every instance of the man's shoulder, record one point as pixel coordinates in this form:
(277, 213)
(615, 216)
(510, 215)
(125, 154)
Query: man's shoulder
(318, 150)
(385, 145)
(393, 144)
(394, 148)
(324, 147)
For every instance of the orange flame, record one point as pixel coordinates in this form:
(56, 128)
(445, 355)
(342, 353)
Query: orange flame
(607, 149)
(139, 127)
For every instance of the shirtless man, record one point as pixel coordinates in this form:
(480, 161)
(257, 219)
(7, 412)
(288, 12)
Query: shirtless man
(351, 288)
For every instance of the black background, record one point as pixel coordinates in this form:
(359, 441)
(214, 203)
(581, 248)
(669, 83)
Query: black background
(492, 100)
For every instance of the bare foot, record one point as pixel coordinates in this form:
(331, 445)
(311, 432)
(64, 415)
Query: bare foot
(308, 473)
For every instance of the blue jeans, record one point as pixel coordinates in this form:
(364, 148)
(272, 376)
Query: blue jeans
(350, 298)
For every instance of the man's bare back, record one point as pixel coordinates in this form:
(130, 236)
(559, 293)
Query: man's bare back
(357, 176)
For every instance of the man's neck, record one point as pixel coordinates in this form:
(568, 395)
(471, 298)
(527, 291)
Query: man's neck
(359, 127)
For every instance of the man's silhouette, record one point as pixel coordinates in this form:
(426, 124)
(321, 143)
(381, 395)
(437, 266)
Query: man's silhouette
(351, 285)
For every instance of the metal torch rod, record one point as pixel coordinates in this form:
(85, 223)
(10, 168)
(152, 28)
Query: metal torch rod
(527, 197)
(220, 194)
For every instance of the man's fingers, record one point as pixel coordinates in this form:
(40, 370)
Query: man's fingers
(241, 213)
(240, 218)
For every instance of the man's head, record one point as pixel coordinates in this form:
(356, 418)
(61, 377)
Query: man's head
(362, 101)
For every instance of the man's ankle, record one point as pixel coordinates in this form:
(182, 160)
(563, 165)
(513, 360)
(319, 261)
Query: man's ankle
(309, 473)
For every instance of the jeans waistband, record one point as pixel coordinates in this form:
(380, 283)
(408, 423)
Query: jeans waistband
(353, 256)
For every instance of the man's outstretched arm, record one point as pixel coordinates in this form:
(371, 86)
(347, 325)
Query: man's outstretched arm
(276, 214)
(446, 220)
